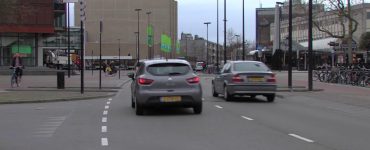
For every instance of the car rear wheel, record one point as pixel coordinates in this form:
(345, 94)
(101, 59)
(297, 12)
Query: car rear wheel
(214, 93)
(227, 96)
(132, 102)
(270, 98)
(198, 109)
(139, 109)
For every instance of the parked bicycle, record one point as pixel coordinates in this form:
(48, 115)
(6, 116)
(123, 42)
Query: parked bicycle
(351, 75)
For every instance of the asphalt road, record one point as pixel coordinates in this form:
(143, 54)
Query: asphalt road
(299, 121)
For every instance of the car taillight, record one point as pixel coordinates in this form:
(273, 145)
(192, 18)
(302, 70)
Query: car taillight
(237, 78)
(193, 80)
(144, 81)
(271, 78)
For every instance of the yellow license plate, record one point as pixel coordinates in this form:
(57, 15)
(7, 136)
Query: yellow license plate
(256, 79)
(171, 99)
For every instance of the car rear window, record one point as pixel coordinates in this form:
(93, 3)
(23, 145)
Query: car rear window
(250, 66)
(165, 69)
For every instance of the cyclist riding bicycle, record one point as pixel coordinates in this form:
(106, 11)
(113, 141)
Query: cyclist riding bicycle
(17, 64)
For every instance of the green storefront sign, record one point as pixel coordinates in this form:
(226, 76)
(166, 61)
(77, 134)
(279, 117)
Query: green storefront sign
(165, 43)
(150, 33)
(23, 49)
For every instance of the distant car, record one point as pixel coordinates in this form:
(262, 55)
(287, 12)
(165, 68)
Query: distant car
(245, 78)
(199, 66)
(165, 83)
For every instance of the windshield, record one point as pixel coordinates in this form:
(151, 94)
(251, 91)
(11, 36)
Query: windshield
(165, 69)
(250, 66)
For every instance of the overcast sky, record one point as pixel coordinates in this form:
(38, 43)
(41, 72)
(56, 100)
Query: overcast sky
(193, 13)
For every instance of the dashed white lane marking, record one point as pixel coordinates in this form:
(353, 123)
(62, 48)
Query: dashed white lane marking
(217, 106)
(301, 138)
(104, 129)
(110, 99)
(104, 119)
(203, 99)
(108, 103)
(106, 107)
(105, 112)
(250, 119)
(104, 141)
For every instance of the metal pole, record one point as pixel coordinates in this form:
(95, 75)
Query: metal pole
(310, 52)
(100, 61)
(92, 62)
(224, 32)
(82, 58)
(68, 44)
(290, 45)
(149, 52)
(217, 50)
(138, 34)
(207, 23)
(243, 33)
(119, 58)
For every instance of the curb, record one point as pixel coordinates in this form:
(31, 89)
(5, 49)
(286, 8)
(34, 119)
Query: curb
(60, 100)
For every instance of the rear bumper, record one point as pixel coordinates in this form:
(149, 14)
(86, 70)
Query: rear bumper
(251, 89)
(189, 98)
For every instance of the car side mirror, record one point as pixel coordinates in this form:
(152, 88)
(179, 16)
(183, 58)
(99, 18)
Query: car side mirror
(131, 75)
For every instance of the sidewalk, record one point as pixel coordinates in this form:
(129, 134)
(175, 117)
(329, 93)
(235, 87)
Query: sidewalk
(44, 88)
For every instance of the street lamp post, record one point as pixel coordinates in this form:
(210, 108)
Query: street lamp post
(243, 33)
(119, 58)
(138, 34)
(217, 50)
(290, 44)
(68, 45)
(149, 51)
(207, 23)
(310, 38)
(137, 48)
(225, 32)
(100, 59)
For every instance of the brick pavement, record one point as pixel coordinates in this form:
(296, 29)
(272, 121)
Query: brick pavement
(44, 88)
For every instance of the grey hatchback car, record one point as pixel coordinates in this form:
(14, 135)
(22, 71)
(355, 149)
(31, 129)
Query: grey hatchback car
(245, 78)
(165, 83)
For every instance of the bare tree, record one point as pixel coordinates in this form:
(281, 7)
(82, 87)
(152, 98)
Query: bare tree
(344, 17)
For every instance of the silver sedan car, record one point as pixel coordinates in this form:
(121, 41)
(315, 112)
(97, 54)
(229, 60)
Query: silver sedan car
(165, 83)
(245, 78)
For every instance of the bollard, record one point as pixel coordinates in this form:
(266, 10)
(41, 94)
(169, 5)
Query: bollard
(60, 80)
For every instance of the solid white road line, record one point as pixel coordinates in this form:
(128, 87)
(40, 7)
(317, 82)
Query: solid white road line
(301, 138)
(104, 129)
(218, 106)
(108, 103)
(105, 112)
(250, 119)
(104, 119)
(106, 107)
(104, 141)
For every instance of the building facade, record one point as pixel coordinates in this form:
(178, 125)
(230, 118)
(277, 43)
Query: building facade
(26, 25)
(120, 23)
(329, 21)
(195, 49)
